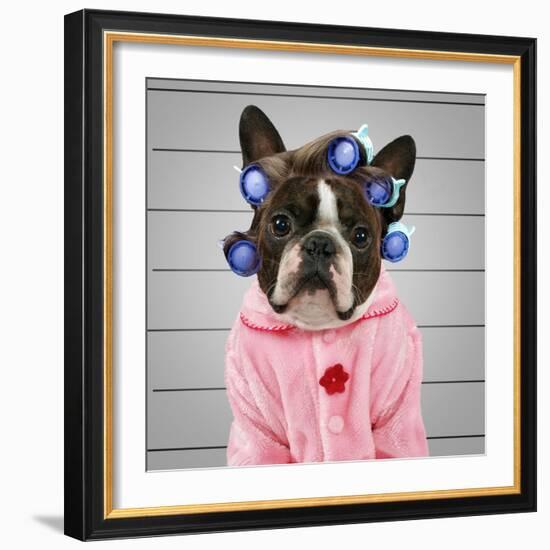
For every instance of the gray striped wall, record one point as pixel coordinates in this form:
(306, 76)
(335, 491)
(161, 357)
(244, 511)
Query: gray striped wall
(193, 201)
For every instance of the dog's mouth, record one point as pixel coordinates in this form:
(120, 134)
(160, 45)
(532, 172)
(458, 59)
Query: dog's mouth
(312, 283)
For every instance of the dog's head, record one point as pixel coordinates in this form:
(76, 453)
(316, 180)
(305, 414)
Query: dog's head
(318, 236)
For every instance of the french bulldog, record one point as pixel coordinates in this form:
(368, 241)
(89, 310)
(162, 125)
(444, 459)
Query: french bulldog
(322, 347)
(318, 237)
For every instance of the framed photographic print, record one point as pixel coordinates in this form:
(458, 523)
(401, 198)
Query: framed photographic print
(300, 274)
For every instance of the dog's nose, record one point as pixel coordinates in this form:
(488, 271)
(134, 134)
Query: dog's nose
(319, 246)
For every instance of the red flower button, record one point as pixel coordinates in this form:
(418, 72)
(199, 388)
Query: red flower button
(334, 379)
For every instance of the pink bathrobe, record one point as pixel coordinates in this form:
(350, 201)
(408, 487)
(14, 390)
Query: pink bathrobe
(350, 393)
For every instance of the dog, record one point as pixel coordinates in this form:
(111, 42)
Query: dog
(323, 362)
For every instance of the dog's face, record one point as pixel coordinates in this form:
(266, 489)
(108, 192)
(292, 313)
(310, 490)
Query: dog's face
(319, 238)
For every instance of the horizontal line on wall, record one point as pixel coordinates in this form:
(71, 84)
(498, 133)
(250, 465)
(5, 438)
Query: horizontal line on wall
(178, 150)
(294, 85)
(204, 210)
(469, 159)
(250, 211)
(450, 326)
(455, 436)
(227, 329)
(437, 270)
(225, 446)
(158, 390)
(187, 270)
(185, 329)
(453, 381)
(311, 96)
(445, 214)
(188, 448)
(208, 270)
(238, 152)
(189, 389)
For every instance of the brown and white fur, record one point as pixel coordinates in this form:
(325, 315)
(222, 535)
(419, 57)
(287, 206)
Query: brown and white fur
(318, 236)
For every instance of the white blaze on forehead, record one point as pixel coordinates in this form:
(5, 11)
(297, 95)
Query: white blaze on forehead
(329, 222)
(327, 213)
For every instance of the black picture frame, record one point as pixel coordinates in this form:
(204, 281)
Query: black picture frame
(84, 282)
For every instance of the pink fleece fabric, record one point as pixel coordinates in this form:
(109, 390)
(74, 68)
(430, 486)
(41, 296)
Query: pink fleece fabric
(282, 414)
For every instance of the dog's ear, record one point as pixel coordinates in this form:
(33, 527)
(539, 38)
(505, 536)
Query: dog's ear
(397, 158)
(259, 138)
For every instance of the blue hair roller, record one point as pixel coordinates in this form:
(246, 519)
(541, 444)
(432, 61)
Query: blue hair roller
(363, 136)
(343, 153)
(243, 258)
(383, 192)
(396, 243)
(254, 184)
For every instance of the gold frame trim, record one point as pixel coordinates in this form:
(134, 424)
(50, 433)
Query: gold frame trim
(109, 39)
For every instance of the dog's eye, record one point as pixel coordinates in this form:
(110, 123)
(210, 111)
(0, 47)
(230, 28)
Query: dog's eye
(360, 237)
(280, 225)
